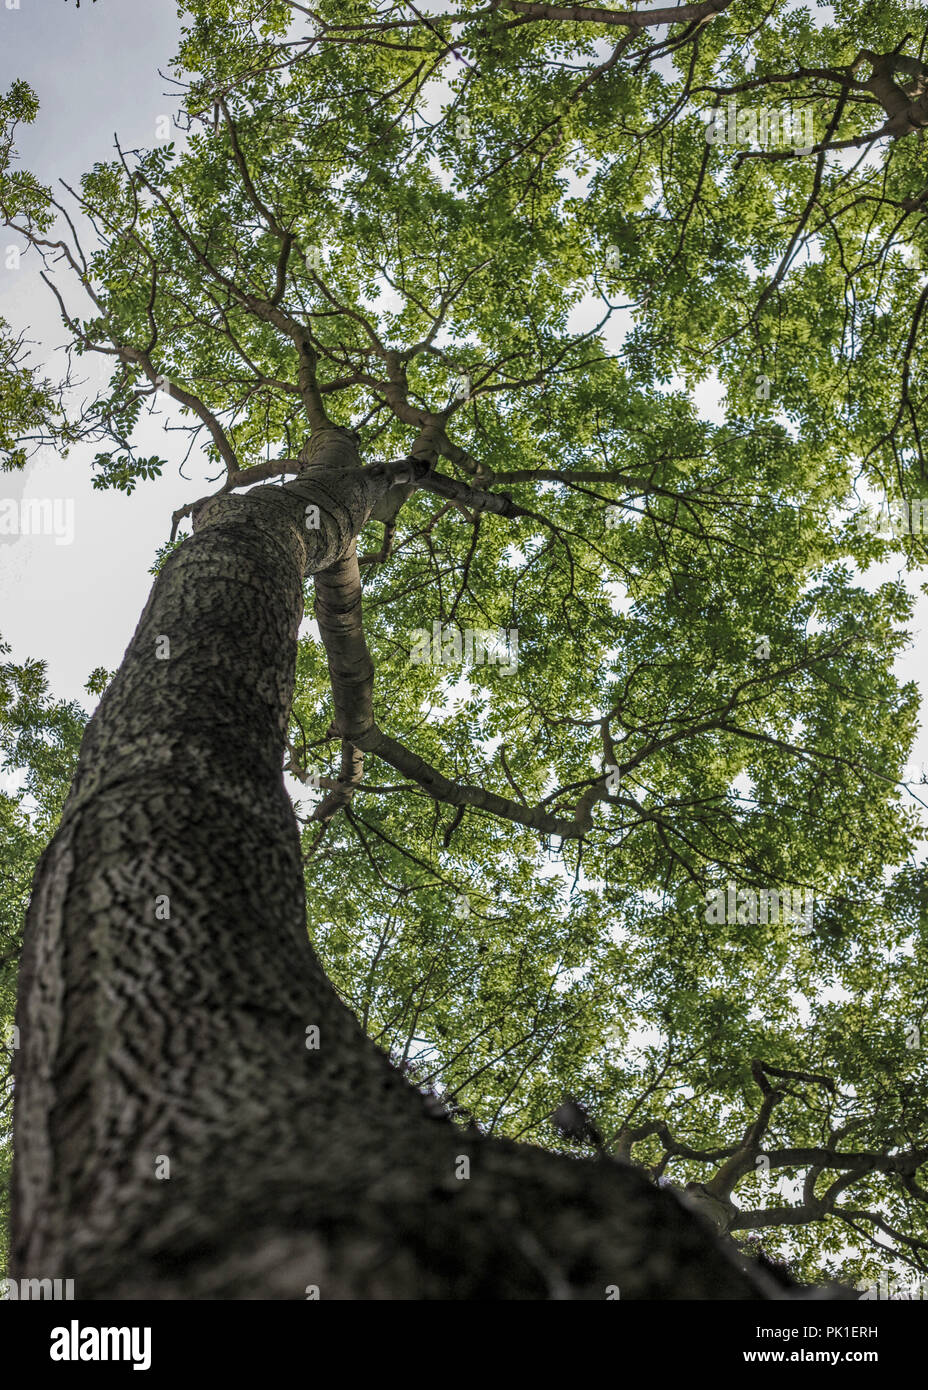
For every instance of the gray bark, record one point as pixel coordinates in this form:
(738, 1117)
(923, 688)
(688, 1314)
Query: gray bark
(148, 1037)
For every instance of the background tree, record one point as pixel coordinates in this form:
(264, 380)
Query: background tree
(347, 264)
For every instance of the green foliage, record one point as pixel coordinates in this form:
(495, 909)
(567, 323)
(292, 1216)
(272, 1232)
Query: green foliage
(39, 743)
(26, 403)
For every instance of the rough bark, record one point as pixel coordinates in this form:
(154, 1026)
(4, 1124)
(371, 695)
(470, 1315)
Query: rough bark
(168, 984)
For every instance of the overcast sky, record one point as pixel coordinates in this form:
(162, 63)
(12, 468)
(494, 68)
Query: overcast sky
(96, 73)
(95, 70)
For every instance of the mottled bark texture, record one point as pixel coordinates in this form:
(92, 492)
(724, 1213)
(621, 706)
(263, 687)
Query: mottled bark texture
(168, 985)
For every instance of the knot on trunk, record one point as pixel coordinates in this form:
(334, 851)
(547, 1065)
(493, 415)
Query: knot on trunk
(720, 1211)
(334, 448)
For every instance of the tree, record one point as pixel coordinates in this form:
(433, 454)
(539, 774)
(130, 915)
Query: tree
(598, 623)
(39, 739)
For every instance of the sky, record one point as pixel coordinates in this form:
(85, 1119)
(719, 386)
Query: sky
(95, 71)
(75, 600)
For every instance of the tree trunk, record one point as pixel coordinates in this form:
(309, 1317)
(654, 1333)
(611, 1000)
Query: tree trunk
(181, 1131)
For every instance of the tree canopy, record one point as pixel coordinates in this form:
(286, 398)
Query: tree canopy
(623, 660)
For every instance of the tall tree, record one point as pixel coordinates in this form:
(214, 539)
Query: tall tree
(597, 623)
